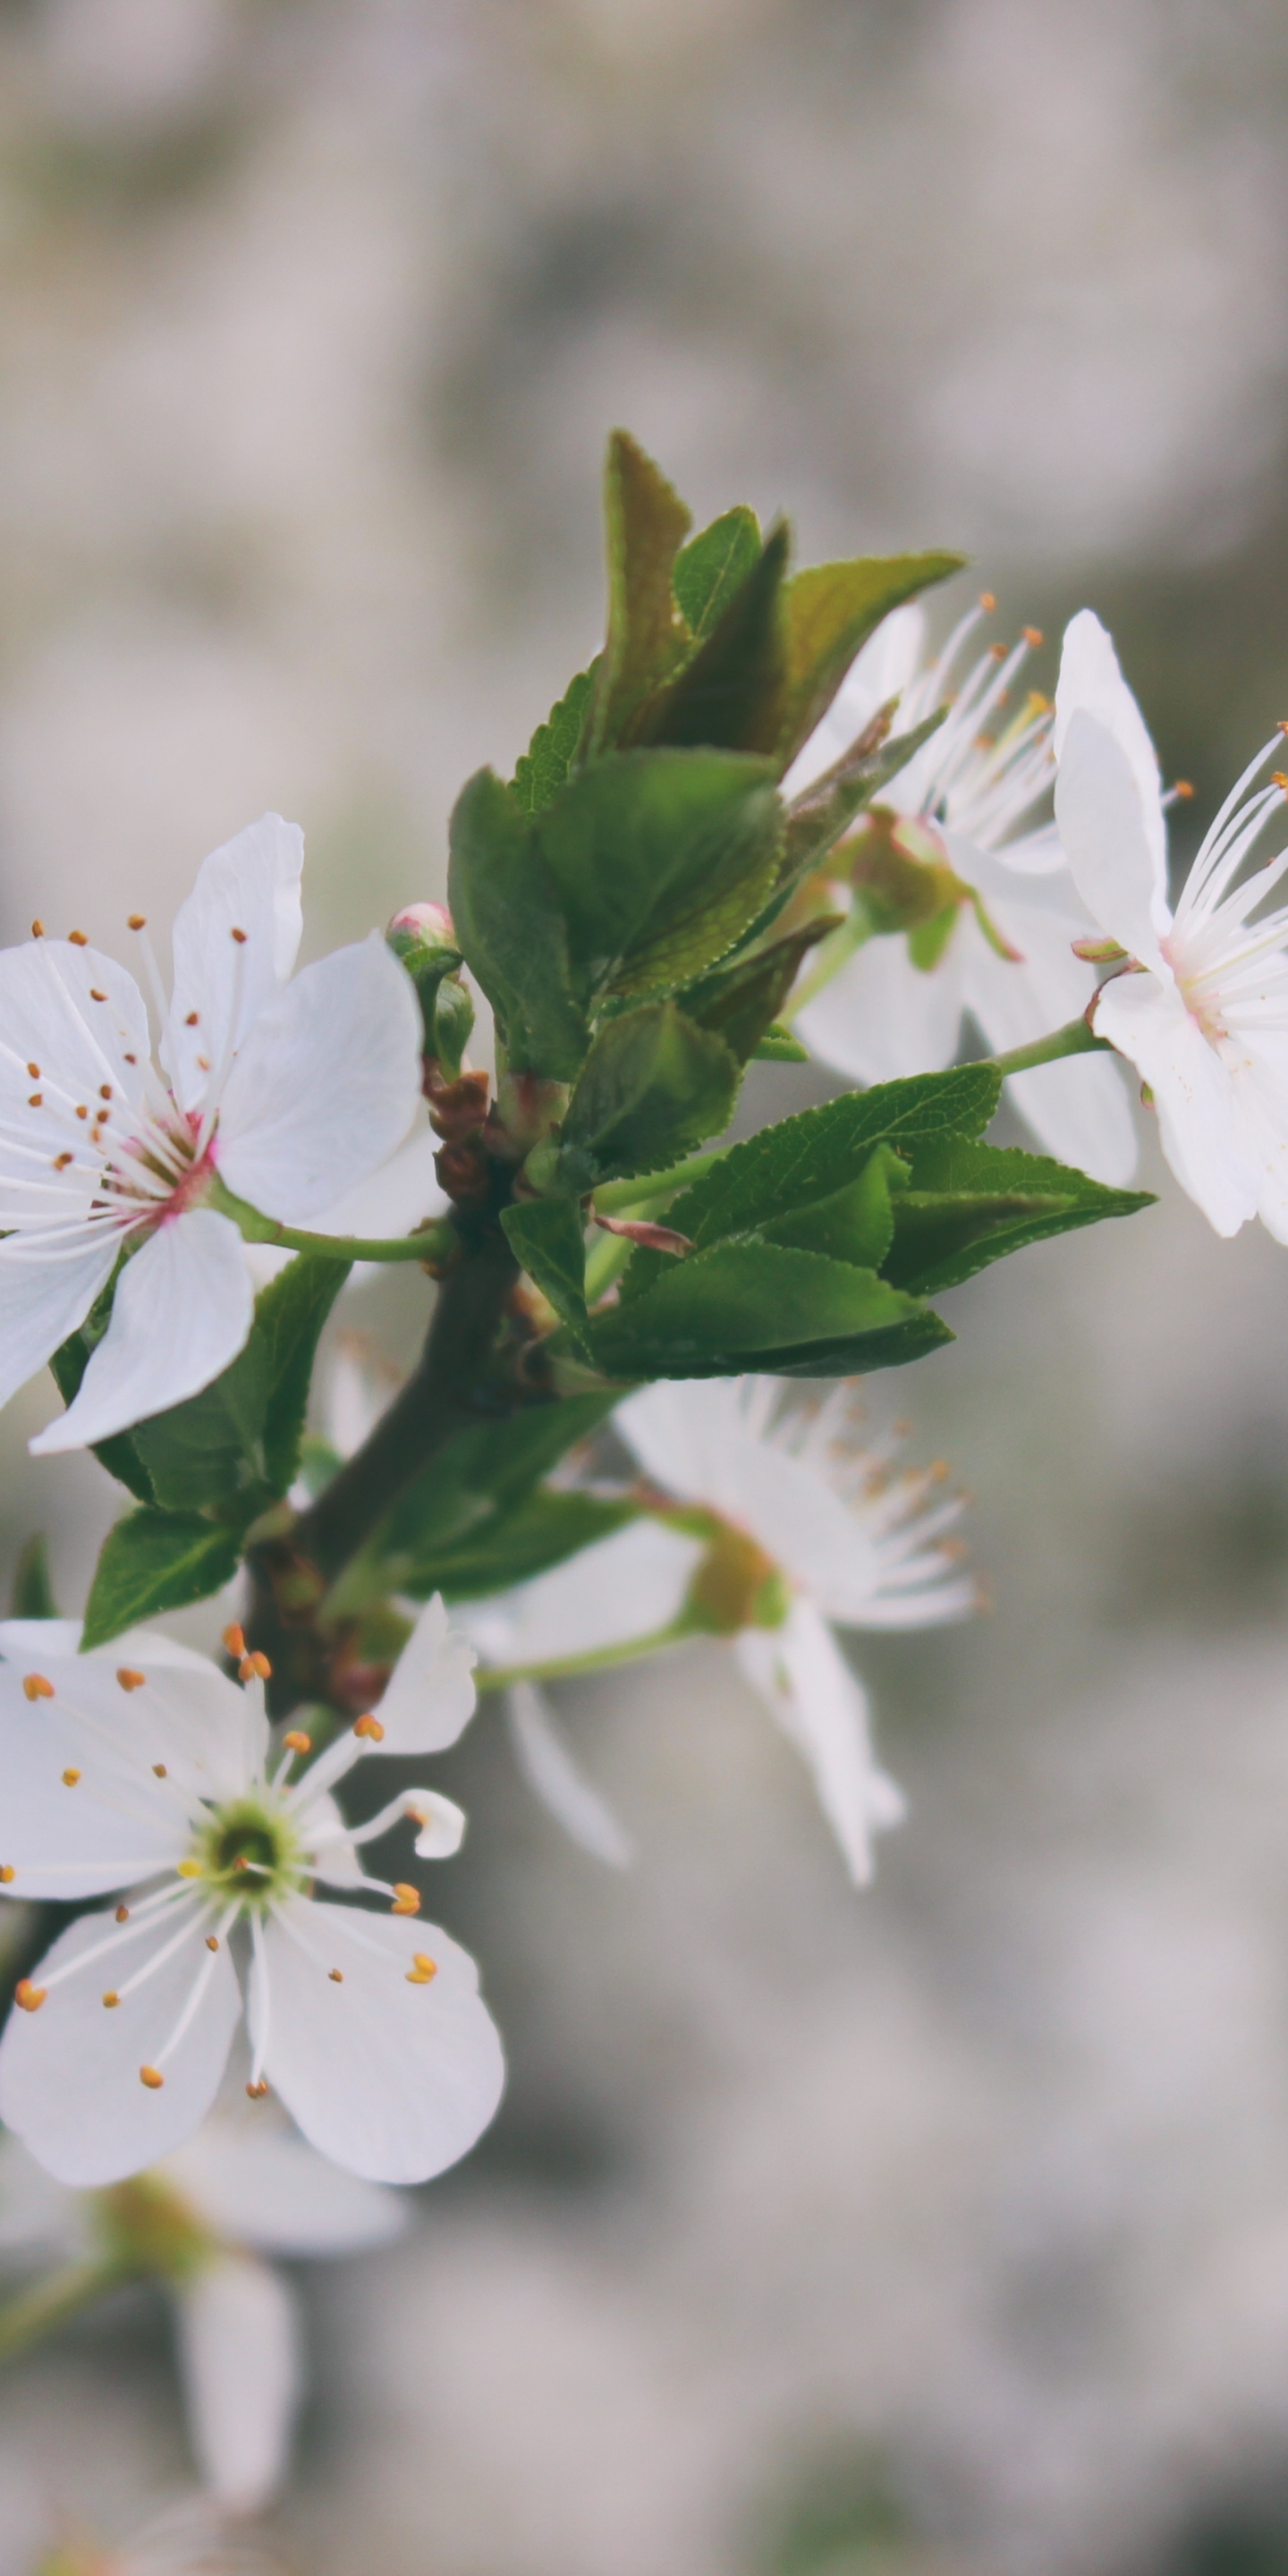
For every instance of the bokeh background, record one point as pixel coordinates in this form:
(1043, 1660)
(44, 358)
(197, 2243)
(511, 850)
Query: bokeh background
(944, 2230)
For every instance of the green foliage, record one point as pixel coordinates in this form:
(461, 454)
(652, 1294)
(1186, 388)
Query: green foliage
(32, 1595)
(647, 639)
(119, 1455)
(757, 1305)
(478, 1516)
(153, 1561)
(855, 1223)
(653, 1086)
(543, 767)
(713, 566)
(829, 611)
(733, 686)
(508, 919)
(969, 1204)
(548, 1238)
(741, 1000)
(817, 818)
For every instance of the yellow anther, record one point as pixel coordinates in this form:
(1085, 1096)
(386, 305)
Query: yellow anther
(111, 1997)
(7, 1873)
(78, 939)
(235, 1639)
(81, 1110)
(192, 1019)
(61, 1161)
(1032, 635)
(105, 1091)
(138, 921)
(70, 1778)
(38, 930)
(35, 1100)
(423, 1969)
(241, 1861)
(256, 2092)
(336, 1976)
(212, 1941)
(406, 1899)
(35, 1686)
(1278, 778)
(122, 1914)
(158, 1771)
(128, 1678)
(34, 1071)
(152, 2077)
(254, 1667)
(987, 602)
(96, 997)
(297, 1743)
(371, 1728)
(29, 1998)
(188, 1869)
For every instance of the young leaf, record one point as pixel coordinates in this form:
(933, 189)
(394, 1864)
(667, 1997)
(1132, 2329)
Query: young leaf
(743, 1306)
(970, 1204)
(540, 1533)
(541, 770)
(855, 1223)
(207, 1450)
(742, 1001)
(829, 611)
(153, 1561)
(653, 1086)
(817, 818)
(647, 639)
(548, 1238)
(713, 566)
(507, 914)
(730, 691)
(32, 1596)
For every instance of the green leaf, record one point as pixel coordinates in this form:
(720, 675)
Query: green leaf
(540, 1533)
(154, 1561)
(476, 1481)
(713, 566)
(32, 1595)
(970, 1204)
(817, 818)
(746, 1306)
(653, 1086)
(658, 860)
(742, 1001)
(548, 1238)
(543, 767)
(647, 639)
(508, 917)
(289, 1316)
(855, 1223)
(829, 611)
(236, 1446)
(779, 1046)
(731, 690)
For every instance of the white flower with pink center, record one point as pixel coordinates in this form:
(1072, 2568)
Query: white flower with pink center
(289, 1093)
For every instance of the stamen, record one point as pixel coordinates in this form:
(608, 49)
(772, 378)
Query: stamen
(192, 1019)
(35, 1686)
(29, 1998)
(137, 921)
(111, 1998)
(1032, 635)
(189, 1869)
(96, 997)
(7, 1873)
(122, 1914)
(129, 1679)
(235, 1639)
(256, 2092)
(297, 1743)
(159, 1771)
(38, 930)
(371, 1728)
(70, 1778)
(77, 939)
(424, 1968)
(212, 1940)
(34, 1071)
(254, 1667)
(987, 602)
(240, 937)
(336, 1976)
(152, 2077)
(406, 1898)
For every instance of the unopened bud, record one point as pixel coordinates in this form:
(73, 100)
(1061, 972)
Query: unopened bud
(424, 941)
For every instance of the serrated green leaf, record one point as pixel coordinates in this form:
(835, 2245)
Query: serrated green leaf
(730, 691)
(540, 772)
(548, 1239)
(657, 859)
(32, 1594)
(646, 523)
(970, 1204)
(153, 1561)
(855, 1223)
(743, 1306)
(653, 1086)
(829, 611)
(540, 1533)
(742, 1001)
(235, 1447)
(817, 818)
(289, 1316)
(779, 1046)
(713, 566)
(508, 917)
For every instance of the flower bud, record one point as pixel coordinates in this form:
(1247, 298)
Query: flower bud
(424, 941)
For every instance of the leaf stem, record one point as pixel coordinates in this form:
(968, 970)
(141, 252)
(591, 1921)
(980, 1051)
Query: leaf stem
(1075, 1038)
(435, 1243)
(37, 2312)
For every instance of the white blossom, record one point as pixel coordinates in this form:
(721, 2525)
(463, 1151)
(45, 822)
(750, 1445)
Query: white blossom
(289, 1092)
(973, 798)
(142, 1768)
(203, 2218)
(1202, 1008)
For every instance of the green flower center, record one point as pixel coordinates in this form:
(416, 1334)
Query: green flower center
(249, 1851)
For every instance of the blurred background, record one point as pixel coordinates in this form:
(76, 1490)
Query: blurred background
(942, 2230)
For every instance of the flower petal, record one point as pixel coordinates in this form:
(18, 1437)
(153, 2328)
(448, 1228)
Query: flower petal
(627, 1586)
(558, 1783)
(881, 671)
(115, 1822)
(41, 1302)
(267, 2188)
(1203, 1136)
(391, 2071)
(1078, 1108)
(69, 2072)
(178, 1708)
(183, 1308)
(1091, 683)
(240, 2354)
(881, 1018)
(798, 1670)
(326, 1085)
(1112, 857)
(429, 1696)
(695, 1438)
(79, 1016)
(252, 885)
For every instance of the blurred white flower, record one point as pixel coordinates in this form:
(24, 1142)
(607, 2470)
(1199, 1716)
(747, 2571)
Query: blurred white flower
(290, 1092)
(200, 2221)
(143, 1763)
(187, 2538)
(1202, 1008)
(1001, 947)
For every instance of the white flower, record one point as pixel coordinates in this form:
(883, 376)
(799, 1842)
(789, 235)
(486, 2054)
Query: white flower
(201, 2220)
(291, 1093)
(188, 2538)
(142, 1768)
(968, 798)
(1202, 1011)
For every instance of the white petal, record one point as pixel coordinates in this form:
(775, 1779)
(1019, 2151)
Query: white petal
(209, 1732)
(116, 1822)
(251, 884)
(1258, 1068)
(41, 1302)
(1078, 1108)
(804, 1680)
(395, 1199)
(439, 1821)
(627, 1586)
(556, 1780)
(693, 1436)
(49, 1016)
(881, 1018)
(239, 2349)
(880, 672)
(183, 1308)
(1079, 1111)
(1202, 1133)
(262, 2186)
(429, 1696)
(326, 1085)
(1113, 856)
(391, 2078)
(1091, 683)
(69, 2072)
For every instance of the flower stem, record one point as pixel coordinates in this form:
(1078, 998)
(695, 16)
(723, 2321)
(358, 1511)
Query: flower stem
(37, 2312)
(435, 1243)
(598, 1659)
(1075, 1038)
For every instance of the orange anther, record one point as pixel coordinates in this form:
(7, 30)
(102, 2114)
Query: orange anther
(35, 1686)
(1184, 788)
(257, 2091)
(70, 1778)
(96, 997)
(8, 1873)
(192, 1019)
(61, 1161)
(81, 1110)
(128, 1678)
(111, 1997)
(158, 1770)
(371, 1728)
(212, 1941)
(235, 1639)
(34, 1071)
(1279, 779)
(29, 1998)
(78, 939)
(241, 1861)
(336, 1976)
(1032, 635)
(998, 652)
(138, 921)
(254, 1667)
(297, 1743)
(423, 1969)
(122, 1914)
(987, 602)
(105, 1091)
(240, 937)
(152, 2077)
(38, 930)
(406, 1899)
